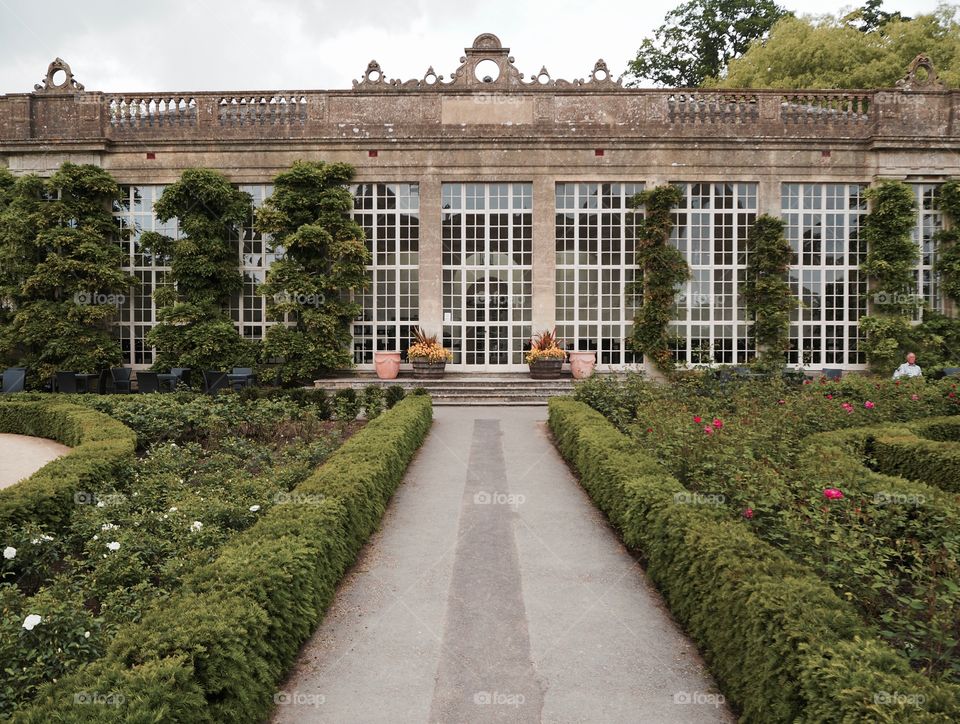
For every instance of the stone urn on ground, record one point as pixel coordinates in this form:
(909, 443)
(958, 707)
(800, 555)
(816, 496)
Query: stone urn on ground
(387, 364)
(427, 355)
(546, 356)
(582, 364)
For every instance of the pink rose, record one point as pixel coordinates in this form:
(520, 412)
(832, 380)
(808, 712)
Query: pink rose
(707, 430)
(748, 513)
(869, 405)
(717, 422)
(697, 419)
(832, 494)
(914, 397)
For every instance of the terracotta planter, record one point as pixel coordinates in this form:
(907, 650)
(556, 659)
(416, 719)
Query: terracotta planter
(387, 364)
(424, 370)
(546, 369)
(582, 364)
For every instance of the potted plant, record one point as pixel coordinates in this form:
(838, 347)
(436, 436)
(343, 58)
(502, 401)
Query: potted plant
(546, 356)
(428, 356)
(582, 363)
(387, 364)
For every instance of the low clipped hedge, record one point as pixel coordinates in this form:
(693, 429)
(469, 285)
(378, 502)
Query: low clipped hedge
(927, 452)
(214, 651)
(782, 645)
(101, 447)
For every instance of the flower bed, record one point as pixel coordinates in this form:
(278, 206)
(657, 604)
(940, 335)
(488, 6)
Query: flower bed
(101, 447)
(213, 649)
(782, 645)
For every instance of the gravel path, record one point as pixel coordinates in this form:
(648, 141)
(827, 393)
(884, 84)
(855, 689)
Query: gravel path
(21, 456)
(495, 592)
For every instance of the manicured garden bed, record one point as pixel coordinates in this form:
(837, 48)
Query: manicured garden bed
(759, 533)
(183, 589)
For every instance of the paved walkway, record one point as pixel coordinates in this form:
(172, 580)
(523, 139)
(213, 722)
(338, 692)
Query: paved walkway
(495, 591)
(21, 456)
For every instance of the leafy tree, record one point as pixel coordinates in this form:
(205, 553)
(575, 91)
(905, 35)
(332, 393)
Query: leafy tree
(324, 262)
(699, 38)
(891, 268)
(831, 52)
(870, 17)
(663, 268)
(60, 277)
(194, 329)
(767, 294)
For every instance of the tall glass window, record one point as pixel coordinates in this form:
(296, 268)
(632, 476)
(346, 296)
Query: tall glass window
(390, 217)
(710, 230)
(487, 272)
(823, 225)
(929, 222)
(595, 268)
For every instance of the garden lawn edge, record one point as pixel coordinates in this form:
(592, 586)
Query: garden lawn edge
(216, 650)
(101, 447)
(781, 644)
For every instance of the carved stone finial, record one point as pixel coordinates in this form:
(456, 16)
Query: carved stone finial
(914, 80)
(49, 85)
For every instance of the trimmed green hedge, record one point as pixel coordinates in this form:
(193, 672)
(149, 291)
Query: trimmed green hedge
(101, 447)
(782, 645)
(215, 651)
(925, 451)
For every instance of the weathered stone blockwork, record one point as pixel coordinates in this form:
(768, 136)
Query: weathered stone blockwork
(539, 131)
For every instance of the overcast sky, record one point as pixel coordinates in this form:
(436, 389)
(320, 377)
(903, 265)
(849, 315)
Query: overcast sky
(190, 45)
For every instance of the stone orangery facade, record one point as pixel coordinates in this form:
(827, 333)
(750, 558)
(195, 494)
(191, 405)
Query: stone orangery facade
(495, 205)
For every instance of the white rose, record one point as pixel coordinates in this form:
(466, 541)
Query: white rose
(30, 621)
(196, 525)
(113, 545)
(254, 508)
(9, 553)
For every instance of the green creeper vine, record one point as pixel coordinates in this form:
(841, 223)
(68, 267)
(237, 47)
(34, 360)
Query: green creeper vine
(891, 262)
(60, 271)
(324, 265)
(663, 269)
(767, 294)
(194, 329)
(948, 263)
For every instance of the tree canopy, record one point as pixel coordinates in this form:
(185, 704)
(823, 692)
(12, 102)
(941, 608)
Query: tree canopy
(194, 329)
(864, 49)
(60, 270)
(324, 262)
(699, 38)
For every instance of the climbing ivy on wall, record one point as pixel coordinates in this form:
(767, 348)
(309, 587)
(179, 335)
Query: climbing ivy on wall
(948, 262)
(194, 328)
(662, 268)
(324, 264)
(767, 294)
(60, 271)
(892, 256)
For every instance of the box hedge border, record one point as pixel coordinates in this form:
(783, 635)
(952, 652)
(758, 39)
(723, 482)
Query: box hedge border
(781, 644)
(216, 650)
(927, 451)
(101, 446)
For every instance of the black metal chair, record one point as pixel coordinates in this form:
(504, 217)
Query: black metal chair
(121, 379)
(832, 373)
(240, 377)
(183, 376)
(65, 382)
(214, 381)
(14, 380)
(103, 382)
(147, 382)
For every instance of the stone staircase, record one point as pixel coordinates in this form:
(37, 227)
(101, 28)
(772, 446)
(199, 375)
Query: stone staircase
(465, 388)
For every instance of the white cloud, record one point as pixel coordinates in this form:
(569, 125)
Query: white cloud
(184, 45)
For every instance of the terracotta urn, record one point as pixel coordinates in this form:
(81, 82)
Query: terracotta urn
(387, 364)
(582, 364)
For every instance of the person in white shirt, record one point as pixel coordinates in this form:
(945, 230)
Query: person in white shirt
(910, 368)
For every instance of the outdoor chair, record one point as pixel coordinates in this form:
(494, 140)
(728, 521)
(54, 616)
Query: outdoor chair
(951, 371)
(103, 382)
(182, 375)
(214, 381)
(14, 380)
(121, 379)
(832, 373)
(240, 377)
(65, 382)
(147, 382)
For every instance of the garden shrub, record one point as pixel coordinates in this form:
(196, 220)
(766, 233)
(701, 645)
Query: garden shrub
(101, 448)
(394, 394)
(908, 455)
(374, 401)
(781, 643)
(225, 640)
(346, 405)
